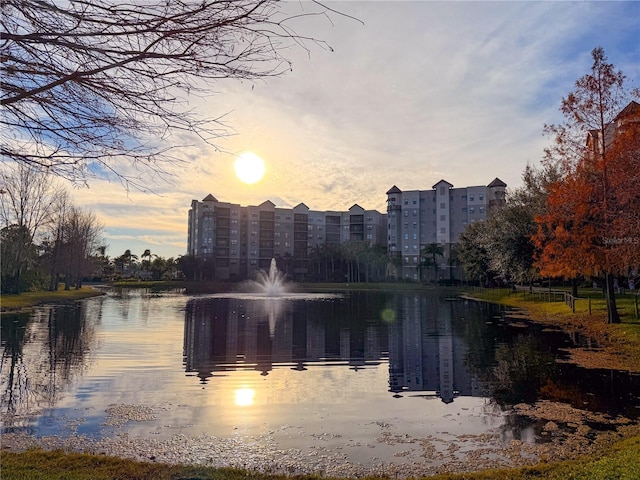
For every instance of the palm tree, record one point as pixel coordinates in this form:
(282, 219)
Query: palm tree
(128, 259)
(147, 264)
(429, 254)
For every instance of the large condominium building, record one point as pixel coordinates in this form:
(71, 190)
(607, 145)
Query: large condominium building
(417, 218)
(240, 240)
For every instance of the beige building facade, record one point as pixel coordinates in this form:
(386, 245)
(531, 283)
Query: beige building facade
(239, 240)
(417, 218)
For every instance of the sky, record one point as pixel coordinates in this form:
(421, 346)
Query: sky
(412, 93)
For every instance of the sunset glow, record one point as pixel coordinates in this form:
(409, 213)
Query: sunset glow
(249, 168)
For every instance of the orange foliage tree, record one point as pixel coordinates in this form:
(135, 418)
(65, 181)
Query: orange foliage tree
(587, 225)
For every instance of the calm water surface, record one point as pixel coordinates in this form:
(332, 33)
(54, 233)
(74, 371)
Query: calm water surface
(348, 371)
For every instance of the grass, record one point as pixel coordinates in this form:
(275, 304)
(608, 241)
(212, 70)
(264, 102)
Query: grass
(621, 462)
(620, 341)
(23, 300)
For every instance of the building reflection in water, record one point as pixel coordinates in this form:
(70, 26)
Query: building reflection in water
(424, 354)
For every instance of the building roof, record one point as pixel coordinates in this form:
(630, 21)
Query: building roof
(497, 183)
(632, 109)
(209, 198)
(393, 190)
(267, 203)
(443, 181)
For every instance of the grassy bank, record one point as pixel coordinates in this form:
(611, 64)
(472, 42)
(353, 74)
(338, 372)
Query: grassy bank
(12, 302)
(622, 461)
(618, 345)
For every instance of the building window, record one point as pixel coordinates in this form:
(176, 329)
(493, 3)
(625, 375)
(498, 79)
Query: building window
(415, 259)
(481, 197)
(406, 213)
(369, 236)
(441, 190)
(472, 209)
(415, 213)
(406, 236)
(471, 198)
(442, 205)
(406, 202)
(443, 230)
(481, 209)
(464, 209)
(406, 259)
(234, 241)
(443, 218)
(415, 201)
(415, 224)
(415, 236)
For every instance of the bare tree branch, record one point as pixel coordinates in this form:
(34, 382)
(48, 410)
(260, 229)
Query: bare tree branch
(87, 83)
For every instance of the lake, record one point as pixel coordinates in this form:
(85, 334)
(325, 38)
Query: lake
(355, 383)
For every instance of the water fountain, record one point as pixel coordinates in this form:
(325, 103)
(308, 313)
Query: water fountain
(270, 283)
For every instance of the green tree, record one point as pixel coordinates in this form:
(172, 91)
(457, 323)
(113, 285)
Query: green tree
(429, 257)
(472, 253)
(18, 255)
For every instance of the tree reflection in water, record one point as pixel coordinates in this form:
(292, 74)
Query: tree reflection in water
(43, 352)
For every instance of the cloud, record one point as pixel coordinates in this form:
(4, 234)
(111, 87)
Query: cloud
(421, 91)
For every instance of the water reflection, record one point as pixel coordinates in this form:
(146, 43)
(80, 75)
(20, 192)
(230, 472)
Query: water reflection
(436, 347)
(43, 353)
(415, 333)
(288, 358)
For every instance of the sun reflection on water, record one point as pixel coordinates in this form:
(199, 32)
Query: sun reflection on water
(244, 397)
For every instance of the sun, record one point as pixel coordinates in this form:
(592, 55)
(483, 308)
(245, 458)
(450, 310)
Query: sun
(249, 167)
